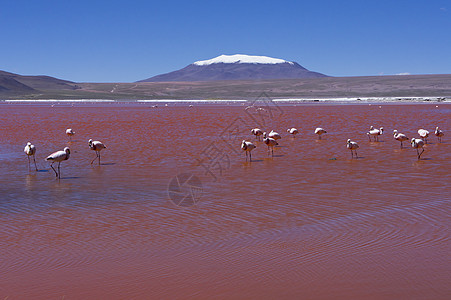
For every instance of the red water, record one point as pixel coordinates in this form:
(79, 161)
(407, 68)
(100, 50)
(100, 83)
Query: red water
(308, 223)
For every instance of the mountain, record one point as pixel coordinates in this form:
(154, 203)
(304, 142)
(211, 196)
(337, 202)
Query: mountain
(237, 67)
(13, 84)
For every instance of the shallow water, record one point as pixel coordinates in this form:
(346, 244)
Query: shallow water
(309, 222)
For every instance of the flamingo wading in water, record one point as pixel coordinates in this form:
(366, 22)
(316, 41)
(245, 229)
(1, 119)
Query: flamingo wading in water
(319, 131)
(70, 133)
(272, 135)
(399, 137)
(418, 143)
(293, 131)
(438, 133)
(247, 147)
(58, 156)
(270, 142)
(352, 146)
(375, 133)
(257, 132)
(97, 147)
(424, 134)
(30, 150)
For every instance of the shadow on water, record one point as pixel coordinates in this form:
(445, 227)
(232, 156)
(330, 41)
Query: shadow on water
(42, 171)
(279, 155)
(254, 160)
(107, 164)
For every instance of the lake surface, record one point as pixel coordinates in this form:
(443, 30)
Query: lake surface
(174, 211)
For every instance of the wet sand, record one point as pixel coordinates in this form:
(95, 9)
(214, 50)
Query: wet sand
(308, 223)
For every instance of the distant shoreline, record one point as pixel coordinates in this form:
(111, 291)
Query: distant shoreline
(234, 102)
(375, 88)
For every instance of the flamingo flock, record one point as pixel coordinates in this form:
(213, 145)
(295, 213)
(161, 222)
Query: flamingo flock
(271, 139)
(62, 155)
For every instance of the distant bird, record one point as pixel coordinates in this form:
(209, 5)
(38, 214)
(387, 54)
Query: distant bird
(375, 133)
(58, 156)
(273, 135)
(399, 137)
(293, 131)
(418, 143)
(352, 146)
(423, 133)
(70, 133)
(439, 134)
(270, 142)
(247, 147)
(30, 150)
(257, 132)
(319, 131)
(97, 147)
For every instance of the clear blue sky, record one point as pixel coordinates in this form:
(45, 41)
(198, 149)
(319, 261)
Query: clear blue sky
(124, 41)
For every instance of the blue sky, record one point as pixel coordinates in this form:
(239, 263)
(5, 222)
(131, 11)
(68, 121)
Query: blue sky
(124, 41)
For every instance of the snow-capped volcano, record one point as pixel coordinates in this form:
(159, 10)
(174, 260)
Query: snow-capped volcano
(237, 67)
(242, 59)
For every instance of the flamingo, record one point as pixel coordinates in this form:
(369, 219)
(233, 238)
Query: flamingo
(375, 132)
(273, 135)
(70, 133)
(319, 131)
(257, 132)
(271, 143)
(418, 143)
(30, 150)
(438, 133)
(97, 147)
(423, 133)
(399, 137)
(58, 156)
(247, 147)
(352, 146)
(292, 131)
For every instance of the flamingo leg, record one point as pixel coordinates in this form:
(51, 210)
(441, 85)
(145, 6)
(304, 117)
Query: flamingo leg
(28, 163)
(356, 156)
(319, 137)
(35, 163)
(94, 158)
(272, 151)
(401, 144)
(59, 171)
(250, 156)
(419, 155)
(51, 166)
(99, 158)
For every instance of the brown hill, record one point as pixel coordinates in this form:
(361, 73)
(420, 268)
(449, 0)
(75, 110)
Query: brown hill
(15, 84)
